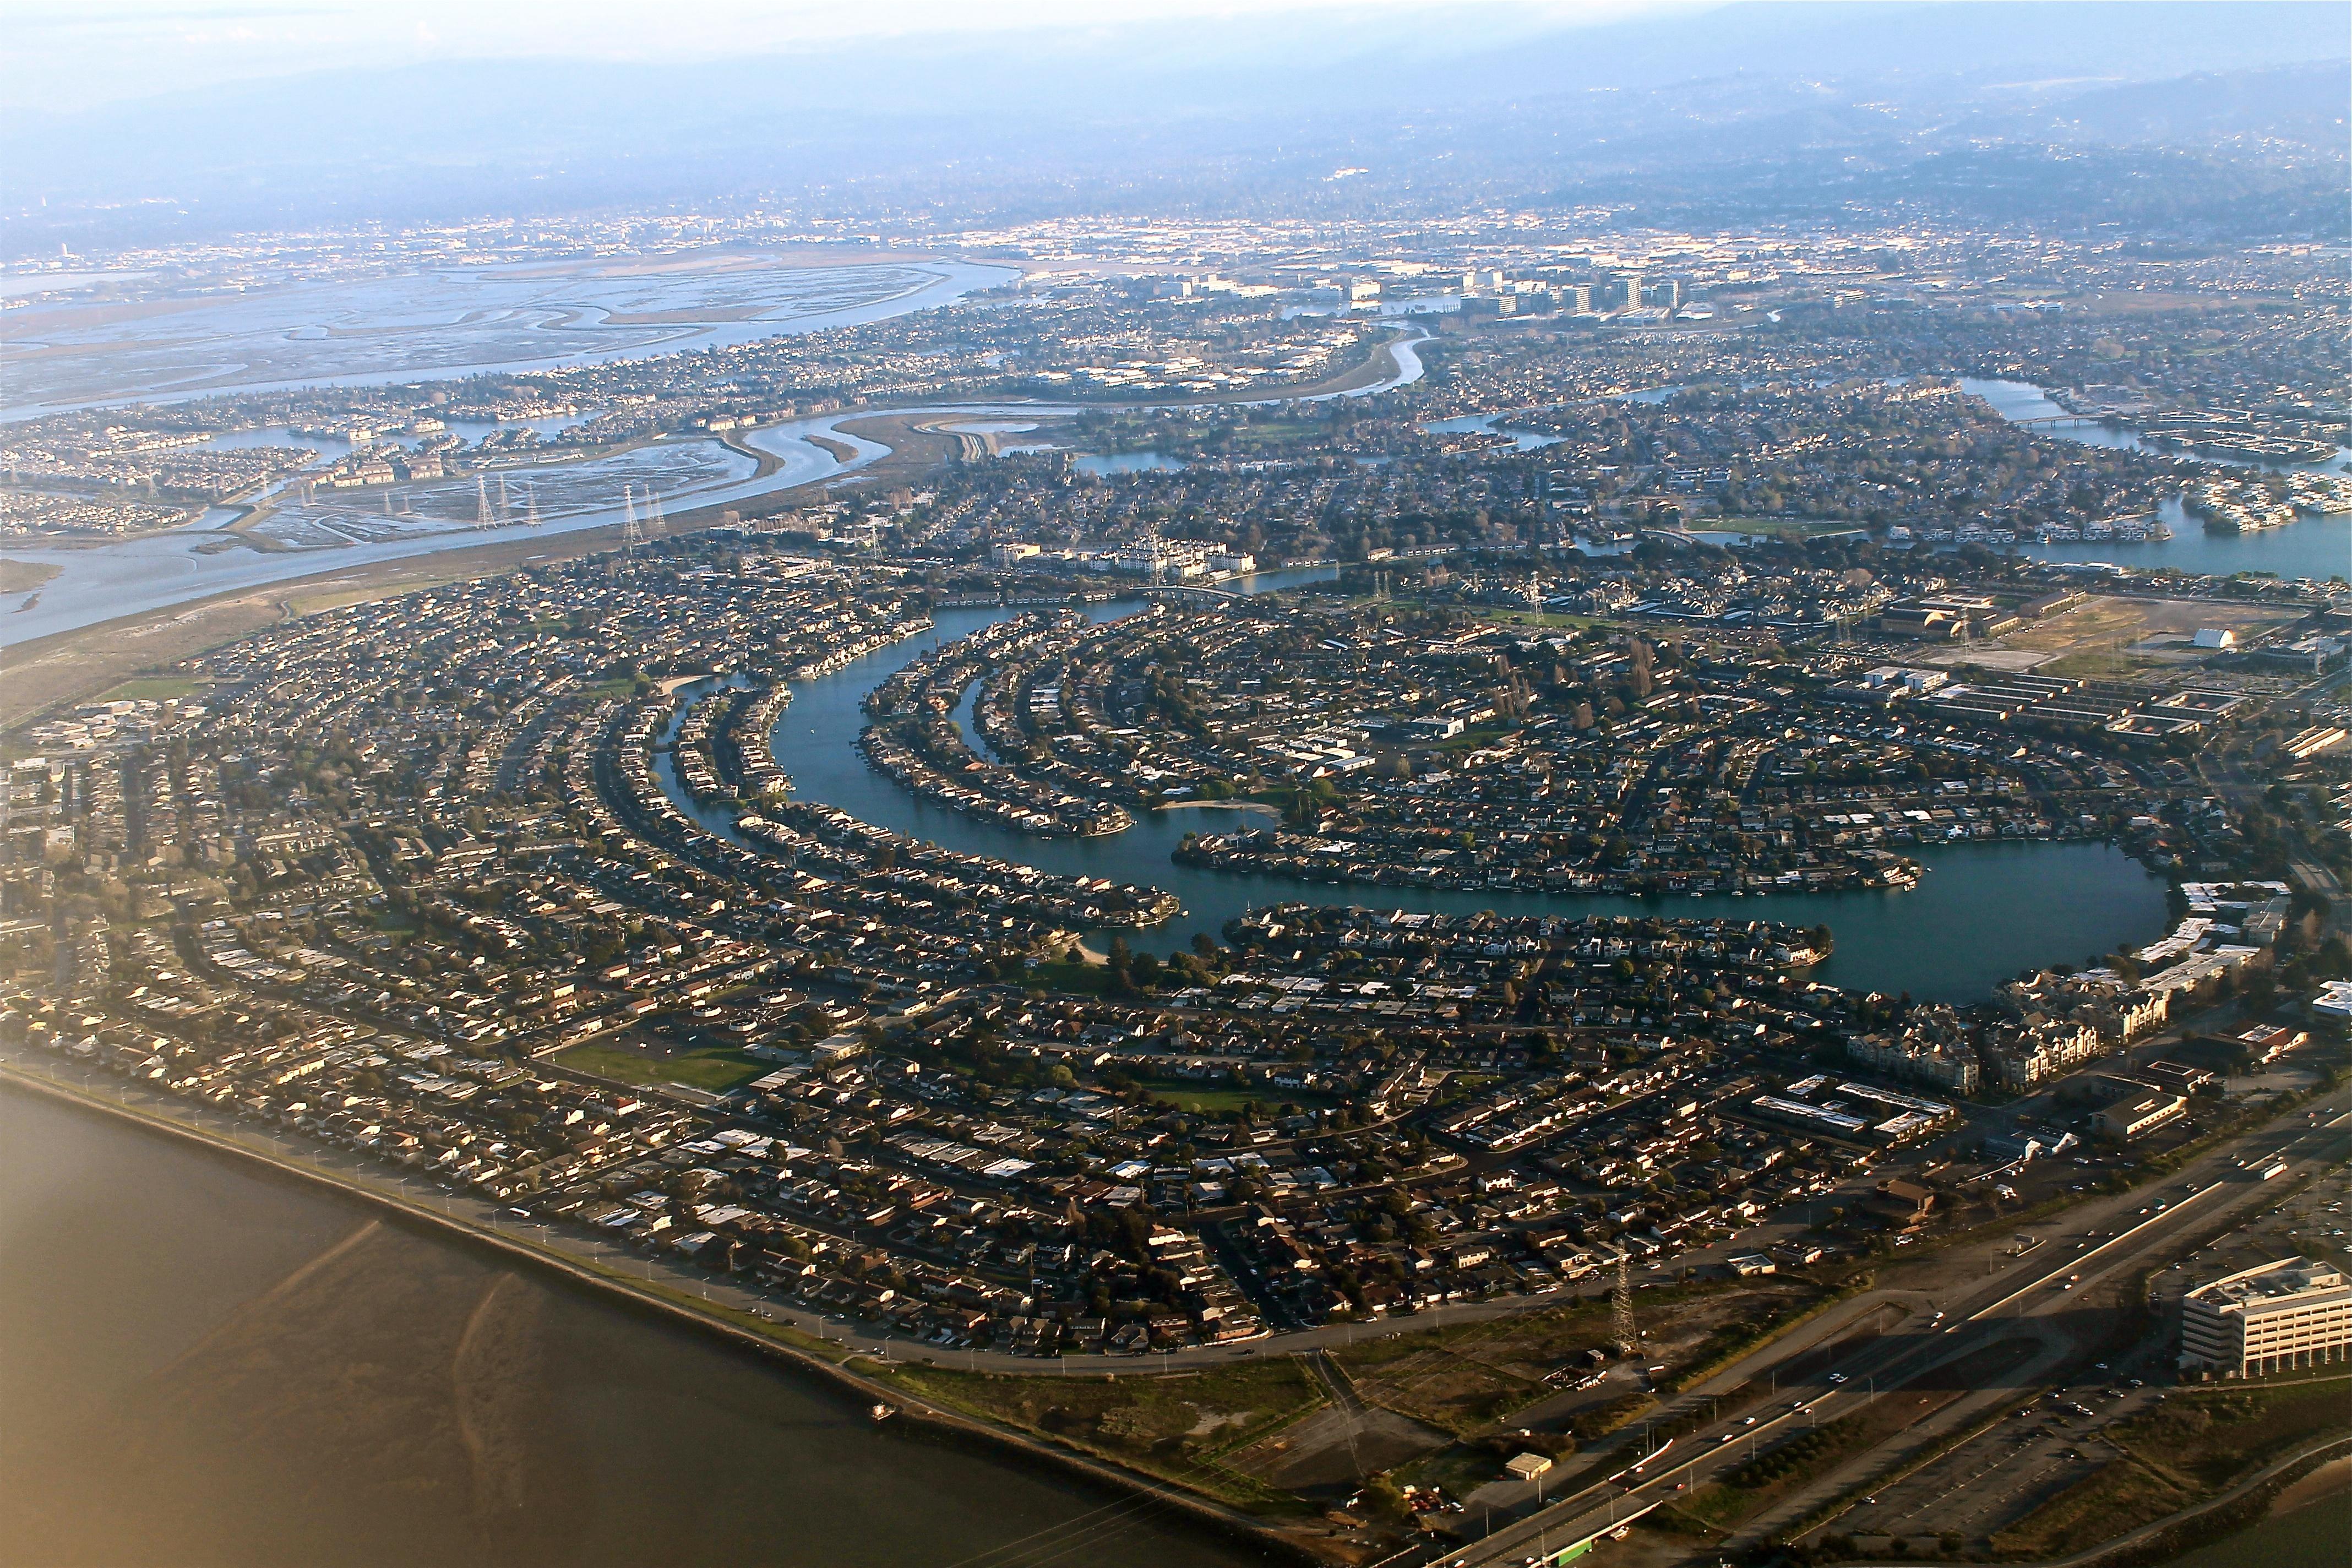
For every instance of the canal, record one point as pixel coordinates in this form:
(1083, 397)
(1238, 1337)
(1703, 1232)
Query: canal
(1982, 913)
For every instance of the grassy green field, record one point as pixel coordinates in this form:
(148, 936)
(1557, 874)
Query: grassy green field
(1089, 979)
(1211, 1097)
(713, 1068)
(152, 689)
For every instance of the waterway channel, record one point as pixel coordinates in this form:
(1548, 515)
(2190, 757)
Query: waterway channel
(2315, 547)
(1983, 913)
(204, 1363)
(156, 571)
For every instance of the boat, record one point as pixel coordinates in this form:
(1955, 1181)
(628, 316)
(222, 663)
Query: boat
(882, 1412)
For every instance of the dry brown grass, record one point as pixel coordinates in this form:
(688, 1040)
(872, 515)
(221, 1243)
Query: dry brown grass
(2118, 1496)
(2104, 624)
(24, 576)
(75, 665)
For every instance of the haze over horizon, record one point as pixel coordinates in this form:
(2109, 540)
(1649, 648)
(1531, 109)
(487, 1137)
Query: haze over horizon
(1199, 106)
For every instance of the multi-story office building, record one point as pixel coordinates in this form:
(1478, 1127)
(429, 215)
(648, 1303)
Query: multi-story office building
(2280, 1315)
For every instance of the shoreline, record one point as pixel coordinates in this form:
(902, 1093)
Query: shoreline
(936, 1422)
(914, 454)
(1217, 805)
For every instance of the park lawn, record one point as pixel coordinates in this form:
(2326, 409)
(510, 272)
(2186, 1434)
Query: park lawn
(1089, 979)
(1279, 432)
(153, 688)
(712, 1069)
(1782, 527)
(1475, 736)
(1197, 1096)
(1175, 1426)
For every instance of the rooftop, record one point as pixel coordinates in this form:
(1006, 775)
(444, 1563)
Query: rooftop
(2276, 1281)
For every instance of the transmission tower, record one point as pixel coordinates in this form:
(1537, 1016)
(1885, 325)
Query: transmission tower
(632, 535)
(481, 501)
(1622, 1306)
(531, 504)
(656, 523)
(506, 502)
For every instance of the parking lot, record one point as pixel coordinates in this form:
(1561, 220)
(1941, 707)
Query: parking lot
(2006, 1472)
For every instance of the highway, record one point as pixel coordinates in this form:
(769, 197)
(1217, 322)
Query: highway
(2029, 1297)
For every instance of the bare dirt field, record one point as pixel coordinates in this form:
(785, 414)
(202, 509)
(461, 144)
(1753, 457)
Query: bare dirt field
(2113, 636)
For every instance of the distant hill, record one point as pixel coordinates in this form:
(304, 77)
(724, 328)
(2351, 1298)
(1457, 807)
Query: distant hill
(2306, 104)
(1245, 115)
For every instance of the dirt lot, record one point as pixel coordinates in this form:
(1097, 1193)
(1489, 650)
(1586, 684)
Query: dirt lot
(2116, 628)
(1182, 1426)
(1466, 1379)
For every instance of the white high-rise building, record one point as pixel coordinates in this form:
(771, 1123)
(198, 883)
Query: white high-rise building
(2291, 1313)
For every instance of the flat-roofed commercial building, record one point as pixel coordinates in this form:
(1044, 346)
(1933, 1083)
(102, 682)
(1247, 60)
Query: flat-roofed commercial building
(2140, 1113)
(2279, 1315)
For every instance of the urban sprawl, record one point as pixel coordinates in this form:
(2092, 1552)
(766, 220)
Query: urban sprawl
(1690, 566)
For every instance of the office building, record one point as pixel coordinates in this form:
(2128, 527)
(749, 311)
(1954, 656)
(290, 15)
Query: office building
(2291, 1313)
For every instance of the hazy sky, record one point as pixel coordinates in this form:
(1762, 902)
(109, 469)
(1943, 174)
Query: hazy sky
(62, 54)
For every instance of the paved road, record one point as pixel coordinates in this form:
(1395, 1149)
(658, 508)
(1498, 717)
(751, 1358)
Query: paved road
(2030, 1294)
